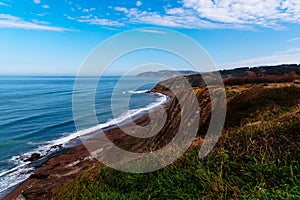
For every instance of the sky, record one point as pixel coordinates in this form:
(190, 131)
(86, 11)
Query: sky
(46, 37)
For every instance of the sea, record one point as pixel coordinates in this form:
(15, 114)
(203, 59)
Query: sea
(36, 116)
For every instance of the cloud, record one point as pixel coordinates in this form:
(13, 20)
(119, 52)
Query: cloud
(175, 11)
(102, 22)
(46, 6)
(236, 14)
(292, 58)
(37, 1)
(40, 22)
(88, 10)
(175, 18)
(10, 21)
(261, 13)
(138, 3)
(294, 39)
(43, 14)
(4, 4)
(209, 14)
(96, 21)
(151, 31)
(121, 9)
(154, 18)
(288, 51)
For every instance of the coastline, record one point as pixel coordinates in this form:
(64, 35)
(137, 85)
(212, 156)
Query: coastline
(68, 163)
(65, 167)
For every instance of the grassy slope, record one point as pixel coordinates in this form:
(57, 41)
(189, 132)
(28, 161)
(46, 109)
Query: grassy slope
(257, 157)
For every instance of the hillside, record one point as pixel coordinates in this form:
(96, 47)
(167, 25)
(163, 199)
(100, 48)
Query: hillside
(261, 70)
(165, 74)
(258, 155)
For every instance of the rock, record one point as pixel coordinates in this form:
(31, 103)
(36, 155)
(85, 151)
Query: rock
(297, 81)
(21, 197)
(33, 157)
(39, 176)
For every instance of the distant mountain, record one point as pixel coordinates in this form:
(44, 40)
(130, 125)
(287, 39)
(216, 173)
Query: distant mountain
(166, 73)
(228, 73)
(260, 71)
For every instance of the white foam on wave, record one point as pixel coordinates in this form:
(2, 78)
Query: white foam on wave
(20, 173)
(125, 116)
(14, 176)
(135, 92)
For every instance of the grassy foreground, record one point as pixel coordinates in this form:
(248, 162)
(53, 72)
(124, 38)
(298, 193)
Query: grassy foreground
(257, 157)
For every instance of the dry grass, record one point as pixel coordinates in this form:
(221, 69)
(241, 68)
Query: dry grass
(289, 77)
(257, 157)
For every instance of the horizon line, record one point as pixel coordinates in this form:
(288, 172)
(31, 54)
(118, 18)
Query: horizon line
(74, 75)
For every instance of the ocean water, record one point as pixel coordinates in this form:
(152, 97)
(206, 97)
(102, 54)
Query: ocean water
(36, 115)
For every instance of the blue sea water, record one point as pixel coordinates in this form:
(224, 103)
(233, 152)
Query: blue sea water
(36, 114)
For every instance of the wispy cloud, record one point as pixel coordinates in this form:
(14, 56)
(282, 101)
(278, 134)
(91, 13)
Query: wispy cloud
(86, 10)
(121, 9)
(43, 14)
(175, 18)
(4, 4)
(103, 22)
(46, 6)
(294, 39)
(138, 3)
(10, 21)
(288, 51)
(151, 31)
(96, 21)
(37, 1)
(291, 58)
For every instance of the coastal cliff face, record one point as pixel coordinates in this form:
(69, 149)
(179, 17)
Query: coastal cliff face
(174, 112)
(187, 89)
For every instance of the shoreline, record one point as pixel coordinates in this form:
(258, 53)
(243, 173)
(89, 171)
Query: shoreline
(69, 162)
(65, 167)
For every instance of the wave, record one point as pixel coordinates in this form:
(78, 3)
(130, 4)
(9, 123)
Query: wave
(14, 176)
(135, 92)
(20, 173)
(20, 120)
(42, 130)
(128, 115)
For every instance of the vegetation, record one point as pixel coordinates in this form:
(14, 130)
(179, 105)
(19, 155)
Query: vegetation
(253, 78)
(261, 71)
(257, 157)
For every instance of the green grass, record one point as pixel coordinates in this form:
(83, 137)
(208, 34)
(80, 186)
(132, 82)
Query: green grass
(252, 161)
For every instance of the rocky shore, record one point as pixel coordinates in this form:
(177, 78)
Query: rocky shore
(63, 167)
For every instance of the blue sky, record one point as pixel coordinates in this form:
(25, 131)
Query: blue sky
(54, 37)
